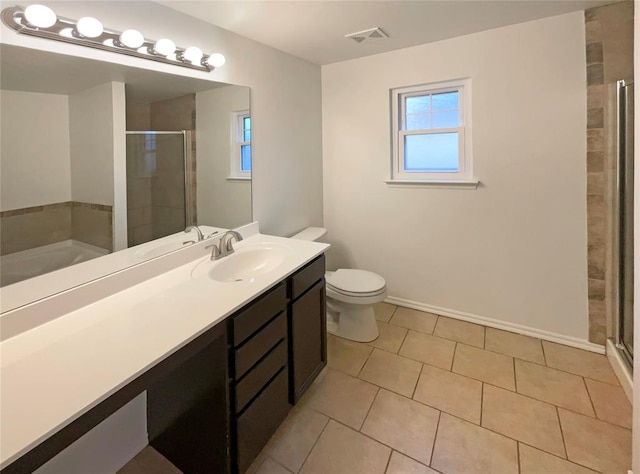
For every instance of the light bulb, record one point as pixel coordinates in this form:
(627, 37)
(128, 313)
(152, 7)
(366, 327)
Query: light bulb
(132, 39)
(165, 47)
(89, 27)
(40, 16)
(216, 60)
(193, 55)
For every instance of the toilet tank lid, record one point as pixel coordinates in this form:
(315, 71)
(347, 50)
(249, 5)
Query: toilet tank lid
(310, 233)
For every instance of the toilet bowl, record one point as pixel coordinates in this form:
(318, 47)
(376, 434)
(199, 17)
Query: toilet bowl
(351, 295)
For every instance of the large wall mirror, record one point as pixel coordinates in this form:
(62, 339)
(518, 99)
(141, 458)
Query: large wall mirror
(99, 159)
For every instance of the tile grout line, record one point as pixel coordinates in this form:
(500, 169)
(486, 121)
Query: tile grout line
(402, 343)
(593, 406)
(544, 354)
(435, 437)
(306, 458)
(386, 468)
(564, 443)
(369, 410)
(518, 456)
(365, 363)
(455, 350)
(413, 394)
(481, 401)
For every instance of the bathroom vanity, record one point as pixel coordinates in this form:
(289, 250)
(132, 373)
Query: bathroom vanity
(215, 395)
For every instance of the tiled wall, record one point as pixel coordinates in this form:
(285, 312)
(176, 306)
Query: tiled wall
(156, 201)
(23, 229)
(92, 224)
(609, 49)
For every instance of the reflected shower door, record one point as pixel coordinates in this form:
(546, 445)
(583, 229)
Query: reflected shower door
(625, 216)
(156, 188)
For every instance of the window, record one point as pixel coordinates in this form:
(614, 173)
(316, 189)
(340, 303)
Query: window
(149, 154)
(431, 133)
(241, 145)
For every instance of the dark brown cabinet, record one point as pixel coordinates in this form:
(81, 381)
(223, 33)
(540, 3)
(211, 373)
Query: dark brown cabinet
(260, 374)
(307, 327)
(187, 408)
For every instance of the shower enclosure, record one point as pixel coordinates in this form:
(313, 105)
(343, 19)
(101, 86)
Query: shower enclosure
(160, 197)
(623, 243)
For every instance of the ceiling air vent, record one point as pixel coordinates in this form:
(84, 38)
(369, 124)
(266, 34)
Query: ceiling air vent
(368, 35)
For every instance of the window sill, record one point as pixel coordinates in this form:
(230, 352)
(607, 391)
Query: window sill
(238, 178)
(442, 184)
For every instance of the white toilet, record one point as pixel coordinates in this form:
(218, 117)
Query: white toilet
(351, 295)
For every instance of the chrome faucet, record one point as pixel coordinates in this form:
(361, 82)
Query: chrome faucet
(198, 231)
(225, 246)
(226, 242)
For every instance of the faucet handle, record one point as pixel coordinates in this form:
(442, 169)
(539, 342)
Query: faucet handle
(215, 251)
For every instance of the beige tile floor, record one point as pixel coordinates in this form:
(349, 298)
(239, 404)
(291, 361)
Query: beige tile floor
(437, 395)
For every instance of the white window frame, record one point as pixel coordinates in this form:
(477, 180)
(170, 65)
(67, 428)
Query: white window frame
(237, 141)
(464, 175)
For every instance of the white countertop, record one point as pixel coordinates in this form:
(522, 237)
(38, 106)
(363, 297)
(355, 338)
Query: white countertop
(54, 373)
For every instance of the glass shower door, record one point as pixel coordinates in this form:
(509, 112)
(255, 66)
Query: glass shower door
(626, 218)
(156, 187)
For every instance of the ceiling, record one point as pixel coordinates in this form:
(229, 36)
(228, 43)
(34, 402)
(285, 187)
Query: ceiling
(315, 30)
(32, 70)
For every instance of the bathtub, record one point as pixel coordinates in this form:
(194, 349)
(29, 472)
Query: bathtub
(20, 266)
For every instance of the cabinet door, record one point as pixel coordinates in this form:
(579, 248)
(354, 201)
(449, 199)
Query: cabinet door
(308, 339)
(187, 411)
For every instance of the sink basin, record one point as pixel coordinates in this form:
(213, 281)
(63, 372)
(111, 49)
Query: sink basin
(244, 265)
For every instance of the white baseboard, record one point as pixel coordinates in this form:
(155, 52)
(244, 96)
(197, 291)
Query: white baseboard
(621, 369)
(498, 324)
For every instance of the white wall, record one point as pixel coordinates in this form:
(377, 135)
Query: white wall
(91, 131)
(221, 202)
(515, 249)
(34, 149)
(285, 100)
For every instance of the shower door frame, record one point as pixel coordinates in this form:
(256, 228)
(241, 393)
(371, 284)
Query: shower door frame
(624, 186)
(188, 218)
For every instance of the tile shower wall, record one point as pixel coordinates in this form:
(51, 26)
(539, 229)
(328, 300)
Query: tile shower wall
(31, 227)
(609, 51)
(156, 201)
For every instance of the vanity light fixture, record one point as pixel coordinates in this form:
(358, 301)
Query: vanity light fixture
(42, 21)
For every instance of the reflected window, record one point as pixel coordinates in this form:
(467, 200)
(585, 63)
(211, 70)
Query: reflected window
(241, 147)
(429, 127)
(150, 154)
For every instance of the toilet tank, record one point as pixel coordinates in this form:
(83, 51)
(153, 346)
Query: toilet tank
(316, 234)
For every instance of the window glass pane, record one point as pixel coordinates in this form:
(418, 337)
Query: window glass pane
(433, 152)
(445, 101)
(445, 119)
(418, 104)
(245, 162)
(246, 121)
(418, 121)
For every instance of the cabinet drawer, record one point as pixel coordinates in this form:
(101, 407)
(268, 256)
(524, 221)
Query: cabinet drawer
(301, 281)
(253, 350)
(259, 312)
(256, 425)
(257, 378)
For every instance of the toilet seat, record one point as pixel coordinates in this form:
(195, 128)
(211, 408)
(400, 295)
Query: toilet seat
(355, 283)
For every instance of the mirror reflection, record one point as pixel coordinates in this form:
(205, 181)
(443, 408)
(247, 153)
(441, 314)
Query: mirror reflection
(99, 158)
